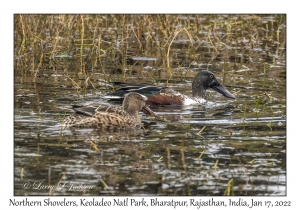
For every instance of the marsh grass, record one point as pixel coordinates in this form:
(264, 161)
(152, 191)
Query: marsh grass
(229, 191)
(105, 43)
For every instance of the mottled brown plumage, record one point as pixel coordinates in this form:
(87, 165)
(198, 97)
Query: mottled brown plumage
(100, 115)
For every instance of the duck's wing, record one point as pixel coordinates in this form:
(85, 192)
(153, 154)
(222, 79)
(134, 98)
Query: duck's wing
(88, 110)
(119, 94)
(114, 116)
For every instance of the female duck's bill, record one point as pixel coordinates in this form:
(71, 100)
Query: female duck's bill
(167, 96)
(101, 115)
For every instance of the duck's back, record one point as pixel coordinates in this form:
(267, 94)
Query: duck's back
(100, 115)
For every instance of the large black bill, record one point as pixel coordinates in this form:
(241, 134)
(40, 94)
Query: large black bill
(221, 89)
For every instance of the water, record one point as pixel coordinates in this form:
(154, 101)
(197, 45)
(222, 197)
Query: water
(193, 150)
(248, 148)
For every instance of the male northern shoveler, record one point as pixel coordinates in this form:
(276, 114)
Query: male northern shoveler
(167, 96)
(100, 115)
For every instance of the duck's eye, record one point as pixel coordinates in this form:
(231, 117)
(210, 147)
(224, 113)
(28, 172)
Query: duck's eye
(212, 76)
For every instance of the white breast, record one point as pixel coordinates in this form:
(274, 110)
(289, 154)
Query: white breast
(190, 101)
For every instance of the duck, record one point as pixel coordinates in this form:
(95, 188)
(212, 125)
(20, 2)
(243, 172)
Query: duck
(161, 96)
(97, 115)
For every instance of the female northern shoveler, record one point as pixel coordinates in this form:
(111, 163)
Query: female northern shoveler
(101, 115)
(167, 96)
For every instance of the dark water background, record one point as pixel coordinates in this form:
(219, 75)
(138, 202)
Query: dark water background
(243, 142)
